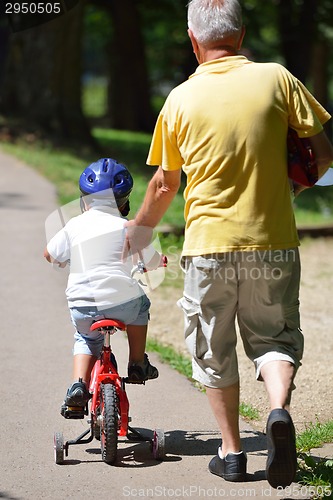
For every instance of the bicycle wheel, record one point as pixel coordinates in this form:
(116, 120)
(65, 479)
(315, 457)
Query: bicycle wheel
(158, 444)
(109, 423)
(58, 447)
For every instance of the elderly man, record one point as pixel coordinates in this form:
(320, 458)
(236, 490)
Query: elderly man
(226, 128)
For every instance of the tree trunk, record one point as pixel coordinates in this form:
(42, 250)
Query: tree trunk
(128, 95)
(320, 70)
(42, 85)
(297, 29)
(4, 44)
(320, 76)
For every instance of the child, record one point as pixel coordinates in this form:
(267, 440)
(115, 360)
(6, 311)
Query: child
(100, 283)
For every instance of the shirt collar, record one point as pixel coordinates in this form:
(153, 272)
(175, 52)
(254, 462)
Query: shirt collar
(220, 65)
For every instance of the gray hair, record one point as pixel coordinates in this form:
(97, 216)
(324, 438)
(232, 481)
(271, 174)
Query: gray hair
(214, 20)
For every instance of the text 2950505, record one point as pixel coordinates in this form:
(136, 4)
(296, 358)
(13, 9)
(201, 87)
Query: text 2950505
(33, 8)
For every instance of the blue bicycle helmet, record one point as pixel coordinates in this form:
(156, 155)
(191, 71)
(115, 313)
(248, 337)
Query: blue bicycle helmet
(104, 174)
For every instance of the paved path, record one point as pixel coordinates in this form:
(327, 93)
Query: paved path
(35, 364)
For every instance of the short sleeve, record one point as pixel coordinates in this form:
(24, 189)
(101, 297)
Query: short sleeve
(59, 246)
(164, 149)
(306, 114)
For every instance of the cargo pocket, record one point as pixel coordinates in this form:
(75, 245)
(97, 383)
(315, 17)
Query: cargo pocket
(194, 339)
(205, 264)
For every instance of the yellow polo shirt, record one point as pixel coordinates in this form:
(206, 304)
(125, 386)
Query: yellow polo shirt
(226, 127)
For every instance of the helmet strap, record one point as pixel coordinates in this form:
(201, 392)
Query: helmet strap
(83, 206)
(125, 209)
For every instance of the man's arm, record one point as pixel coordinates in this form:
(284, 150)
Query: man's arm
(161, 190)
(323, 153)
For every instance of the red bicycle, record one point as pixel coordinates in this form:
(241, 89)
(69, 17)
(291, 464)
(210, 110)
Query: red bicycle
(109, 407)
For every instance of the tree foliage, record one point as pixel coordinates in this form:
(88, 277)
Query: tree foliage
(41, 83)
(141, 49)
(298, 33)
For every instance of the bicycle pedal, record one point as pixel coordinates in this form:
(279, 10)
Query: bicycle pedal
(73, 412)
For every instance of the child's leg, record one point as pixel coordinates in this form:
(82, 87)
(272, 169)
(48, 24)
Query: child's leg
(139, 367)
(78, 394)
(82, 366)
(136, 335)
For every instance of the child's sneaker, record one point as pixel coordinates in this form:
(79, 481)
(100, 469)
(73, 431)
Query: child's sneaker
(76, 401)
(138, 373)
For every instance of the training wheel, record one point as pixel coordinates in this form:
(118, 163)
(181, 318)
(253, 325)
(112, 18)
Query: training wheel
(158, 444)
(58, 448)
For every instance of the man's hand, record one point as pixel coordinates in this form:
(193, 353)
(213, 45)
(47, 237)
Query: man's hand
(137, 238)
(323, 152)
(298, 189)
(161, 190)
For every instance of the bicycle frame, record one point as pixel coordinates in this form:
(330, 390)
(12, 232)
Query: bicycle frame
(104, 371)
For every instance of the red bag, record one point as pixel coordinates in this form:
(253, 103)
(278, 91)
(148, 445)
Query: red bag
(302, 166)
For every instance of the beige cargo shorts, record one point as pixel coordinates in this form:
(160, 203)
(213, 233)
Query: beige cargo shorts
(260, 290)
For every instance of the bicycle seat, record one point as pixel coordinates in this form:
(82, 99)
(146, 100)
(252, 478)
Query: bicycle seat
(108, 324)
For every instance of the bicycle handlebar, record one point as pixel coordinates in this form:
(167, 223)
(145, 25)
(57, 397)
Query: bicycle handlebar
(140, 266)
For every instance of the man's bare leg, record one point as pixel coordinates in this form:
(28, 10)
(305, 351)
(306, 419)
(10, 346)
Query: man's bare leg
(278, 377)
(225, 406)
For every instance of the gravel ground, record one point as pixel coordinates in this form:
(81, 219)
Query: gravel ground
(313, 398)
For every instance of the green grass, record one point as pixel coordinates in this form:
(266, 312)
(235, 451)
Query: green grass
(94, 98)
(168, 355)
(63, 167)
(315, 206)
(315, 473)
(317, 476)
(314, 436)
(248, 412)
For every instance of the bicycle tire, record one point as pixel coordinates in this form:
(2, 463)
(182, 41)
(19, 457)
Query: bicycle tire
(158, 444)
(58, 448)
(109, 423)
